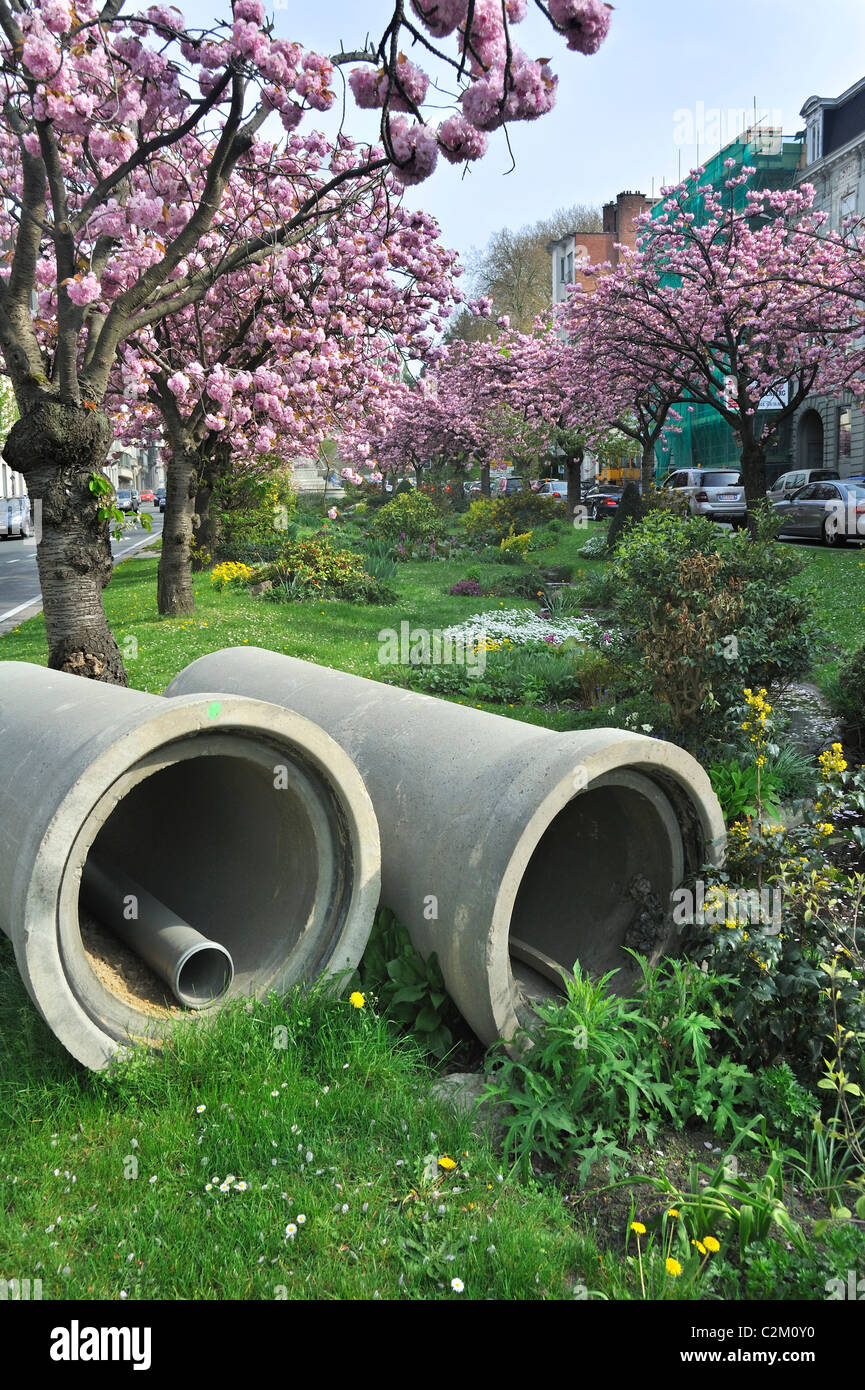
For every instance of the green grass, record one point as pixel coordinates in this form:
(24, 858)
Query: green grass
(837, 578)
(104, 1175)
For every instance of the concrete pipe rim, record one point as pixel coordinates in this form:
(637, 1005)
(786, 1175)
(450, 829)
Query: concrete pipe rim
(50, 953)
(671, 772)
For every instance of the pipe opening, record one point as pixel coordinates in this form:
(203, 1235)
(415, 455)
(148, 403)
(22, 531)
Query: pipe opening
(245, 843)
(203, 976)
(599, 879)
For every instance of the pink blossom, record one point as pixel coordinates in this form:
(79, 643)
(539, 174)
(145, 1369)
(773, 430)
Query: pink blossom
(441, 17)
(332, 513)
(83, 290)
(585, 22)
(459, 140)
(415, 151)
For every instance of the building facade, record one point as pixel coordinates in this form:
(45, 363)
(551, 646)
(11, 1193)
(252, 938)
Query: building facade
(581, 249)
(829, 431)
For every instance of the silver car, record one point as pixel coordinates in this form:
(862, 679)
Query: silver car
(718, 493)
(831, 512)
(15, 517)
(555, 488)
(789, 483)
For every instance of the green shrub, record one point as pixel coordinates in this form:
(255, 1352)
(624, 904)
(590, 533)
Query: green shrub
(708, 616)
(411, 515)
(602, 1068)
(848, 699)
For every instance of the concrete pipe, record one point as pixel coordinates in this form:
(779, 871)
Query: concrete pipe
(511, 851)
(247, 820)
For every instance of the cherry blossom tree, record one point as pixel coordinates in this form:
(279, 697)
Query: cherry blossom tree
(745, 311)
(120, 133)
(279, 356)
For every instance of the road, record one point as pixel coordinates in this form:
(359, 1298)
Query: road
(20, 595)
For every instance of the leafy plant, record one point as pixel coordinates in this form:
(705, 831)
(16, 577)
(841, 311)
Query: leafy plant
(735, 786)
(601, 1067)
(410, 989)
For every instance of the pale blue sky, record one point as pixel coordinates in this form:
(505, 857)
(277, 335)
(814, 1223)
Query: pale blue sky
(618, 114)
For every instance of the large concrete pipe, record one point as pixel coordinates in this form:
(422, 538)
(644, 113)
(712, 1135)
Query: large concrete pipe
(244, 822)
(509, 850)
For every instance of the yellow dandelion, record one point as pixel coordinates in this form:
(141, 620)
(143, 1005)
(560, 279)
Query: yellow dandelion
(447, 1163)
(356, 1000)
(673, 1211)
(638, 1228)
(673, 1267)
(712, 1244)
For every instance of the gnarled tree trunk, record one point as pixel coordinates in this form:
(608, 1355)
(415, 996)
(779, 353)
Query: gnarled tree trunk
(58, 448)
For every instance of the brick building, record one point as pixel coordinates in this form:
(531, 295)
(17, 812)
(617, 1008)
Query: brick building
(595, 248)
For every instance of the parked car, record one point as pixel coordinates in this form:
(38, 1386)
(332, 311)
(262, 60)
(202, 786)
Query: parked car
(553, 487)
(126, 500)
(162, 500)
(15, 519)
(509, 486)
(159, 497)
(147, 495)
(831, 512)
(718, 493)
(601, 501)
(789, 483)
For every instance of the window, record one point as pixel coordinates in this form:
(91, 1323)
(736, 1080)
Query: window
(815, 137)
(844, 431)
(570, 267)
(847, 206)
(562, 270)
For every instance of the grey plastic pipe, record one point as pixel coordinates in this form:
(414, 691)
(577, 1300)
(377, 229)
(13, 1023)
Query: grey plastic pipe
(197, 971)
(511, 851)
(248, 819)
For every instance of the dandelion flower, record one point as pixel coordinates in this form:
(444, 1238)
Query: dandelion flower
(673, 1212)
(457, 1285)
(638, 1228)
(711, 1244)
(356, 1000)
(447, 1163)
(673, 1267)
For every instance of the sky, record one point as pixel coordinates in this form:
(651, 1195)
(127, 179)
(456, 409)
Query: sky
(671, 73)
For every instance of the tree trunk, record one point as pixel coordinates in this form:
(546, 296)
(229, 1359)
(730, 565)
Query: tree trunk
(647, 471)
(485, 479)
(573, 478)
(174, 590)
(753, 460)
(208, 527)
(59, 448)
